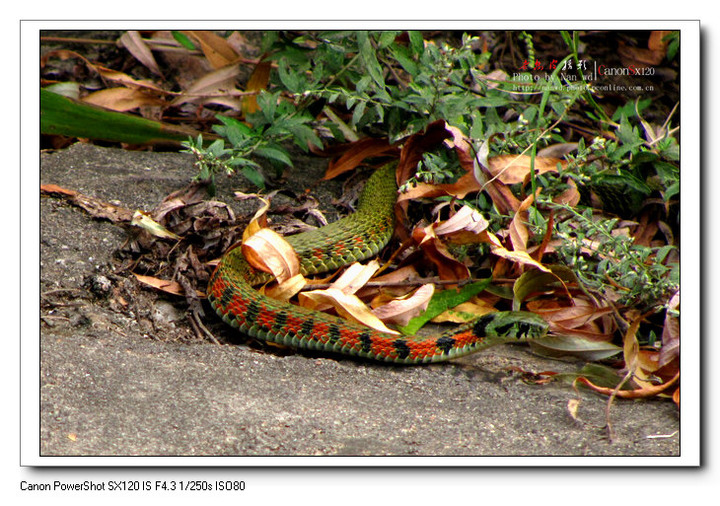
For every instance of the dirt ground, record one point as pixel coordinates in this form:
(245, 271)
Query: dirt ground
(132, 379)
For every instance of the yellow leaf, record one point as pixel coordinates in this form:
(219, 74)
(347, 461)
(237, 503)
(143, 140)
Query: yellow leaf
(348, 306)
(142, 220)
(520, 257)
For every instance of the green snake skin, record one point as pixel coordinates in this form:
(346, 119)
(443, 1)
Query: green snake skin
(354, 238)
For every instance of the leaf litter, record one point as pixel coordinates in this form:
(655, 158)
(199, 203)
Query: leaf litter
(198, 231)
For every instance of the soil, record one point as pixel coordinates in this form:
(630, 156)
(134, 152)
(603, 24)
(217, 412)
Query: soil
(123, 373)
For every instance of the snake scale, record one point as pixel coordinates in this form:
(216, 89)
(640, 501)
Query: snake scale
(356, 237)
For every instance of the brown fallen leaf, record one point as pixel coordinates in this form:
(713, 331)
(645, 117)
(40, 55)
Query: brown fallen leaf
(95, 207)
(448, 267)
(513, 169)
(215, 48)
(356, 152)
(122, 99)
(164, 285)
(134, 43)
(518, 230)
(217, 87)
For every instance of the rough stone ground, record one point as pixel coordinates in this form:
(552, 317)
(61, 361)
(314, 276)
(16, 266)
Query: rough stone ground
(132, 382)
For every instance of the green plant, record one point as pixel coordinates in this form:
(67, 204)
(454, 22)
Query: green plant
(605, 260)
(276, 122)
(388, 83)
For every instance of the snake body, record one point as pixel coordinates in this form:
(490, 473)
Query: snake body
(353, 238)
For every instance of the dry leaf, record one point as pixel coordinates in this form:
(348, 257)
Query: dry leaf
(143, 220)
(287, 289)
(519, 234)
(466, 221)
(216, 87)
(259, 220)
(121, 99)
(137, 47)
(466, 311)
(216, 49)
(448, 267)
(356, 152)
(513, 169)
(520, 257)
(356, 276)
(268, 251)
(348, 306)
(163, 285)
(572, 407)
(400, 311)
(95, 207)
(258, 81)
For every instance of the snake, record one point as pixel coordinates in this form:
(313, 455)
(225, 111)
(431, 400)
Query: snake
(356, 237)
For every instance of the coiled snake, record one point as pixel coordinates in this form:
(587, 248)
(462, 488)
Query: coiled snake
(353, 238)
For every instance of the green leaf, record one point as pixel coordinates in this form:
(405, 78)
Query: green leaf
(290, 79)
(358, 113)
(183, 40)
(417, 44)
(386, 38)
(254, 175)
(274, 153)
(369, 58)
(441, 301)
(628, 110)
(64, 116)
(304, 135)
(404, 58)
(628, 134)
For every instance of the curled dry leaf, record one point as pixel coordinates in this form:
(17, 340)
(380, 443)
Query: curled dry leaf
(267, 251)
(465, 223)
(356, 276)
(351, 280)
(518, 257)
(259, 220)
(287, 289)
(519, 234)
(582, 319)
(448, 267)
(402, 310)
